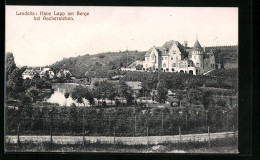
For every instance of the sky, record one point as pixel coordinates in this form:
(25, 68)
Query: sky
(108, 29)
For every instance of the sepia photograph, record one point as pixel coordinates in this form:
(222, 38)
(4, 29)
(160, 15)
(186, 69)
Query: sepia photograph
(111, 79)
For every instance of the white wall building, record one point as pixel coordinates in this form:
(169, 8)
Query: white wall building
(174, 57)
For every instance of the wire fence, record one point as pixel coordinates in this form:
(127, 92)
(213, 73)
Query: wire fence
(125, 125)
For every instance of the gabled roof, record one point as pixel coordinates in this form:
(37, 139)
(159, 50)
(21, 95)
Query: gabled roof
(169, 44)
(158, 49)
(30, 72)
(148, 52)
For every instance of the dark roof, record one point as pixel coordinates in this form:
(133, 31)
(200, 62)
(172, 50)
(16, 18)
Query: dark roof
(166, 47)
(197, 46)
(30, 72)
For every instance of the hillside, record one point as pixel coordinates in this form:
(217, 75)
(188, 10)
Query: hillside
(107, 64)
(224, 54)
(100, 64)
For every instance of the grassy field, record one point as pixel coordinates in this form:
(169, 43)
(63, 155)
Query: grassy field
(227, 145)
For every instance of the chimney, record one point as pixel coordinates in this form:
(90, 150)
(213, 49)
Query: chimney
(185, 43)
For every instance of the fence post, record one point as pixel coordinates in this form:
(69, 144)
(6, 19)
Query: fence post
(114, 136)
(18, 137)
(51, 135)
(83, 136)
(147, 132)
(162, 123)
(209, 137)
(109, 125)
(135, 125)
(180, 132)
(186, 121)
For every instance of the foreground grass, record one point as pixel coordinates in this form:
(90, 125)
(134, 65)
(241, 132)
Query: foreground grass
(226, 145)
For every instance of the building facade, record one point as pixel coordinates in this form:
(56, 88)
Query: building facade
(174, 57)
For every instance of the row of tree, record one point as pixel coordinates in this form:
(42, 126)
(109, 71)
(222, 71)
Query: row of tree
(128, 121)
(102, 90)
(219, 79)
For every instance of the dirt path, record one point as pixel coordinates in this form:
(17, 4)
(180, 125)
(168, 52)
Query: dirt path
(154, 140)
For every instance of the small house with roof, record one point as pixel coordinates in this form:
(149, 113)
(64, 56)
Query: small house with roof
(49, 71)
(29, 73)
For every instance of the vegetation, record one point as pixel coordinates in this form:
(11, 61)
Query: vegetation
(24, 90)
(224, 78)
(38, 118)
(98, 65)
(225, 54)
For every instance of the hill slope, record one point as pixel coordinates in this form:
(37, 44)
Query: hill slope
(98, 63)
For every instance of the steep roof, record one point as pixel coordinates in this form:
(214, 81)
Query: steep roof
(170, 43)
(197, 46)
(148, 52)
(30, 72)
(165, 48)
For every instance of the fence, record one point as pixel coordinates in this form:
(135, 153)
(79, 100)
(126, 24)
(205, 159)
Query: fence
(148, 140)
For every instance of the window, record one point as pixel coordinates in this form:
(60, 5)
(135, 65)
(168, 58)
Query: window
(213, 65)
(182, 65)
(164, 65)
(171, 58)
(197, 65)
(165, 58)
(174, 65)
(162, 58)
(146, 65)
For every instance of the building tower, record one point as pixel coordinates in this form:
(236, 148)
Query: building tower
(197, 57)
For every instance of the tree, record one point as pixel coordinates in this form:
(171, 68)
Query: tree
(180, 95)
(46, 75)
(9, 64)
(33, 93)
(68, 76)
(145, 90)
(112, 94)
(193, 95)
(161, 92)
(89, 96)
(66, 95)
(14, 83)
(139, 67)
(78, 94)
(206, 99)
(125, 91)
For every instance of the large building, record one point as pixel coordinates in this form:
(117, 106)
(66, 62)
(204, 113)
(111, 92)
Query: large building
(174, 57)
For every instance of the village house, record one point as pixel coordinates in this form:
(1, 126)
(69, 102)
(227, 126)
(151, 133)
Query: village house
(174, 57)
(29, 73)
(50, 72)
(135, 86)
(64, 72)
